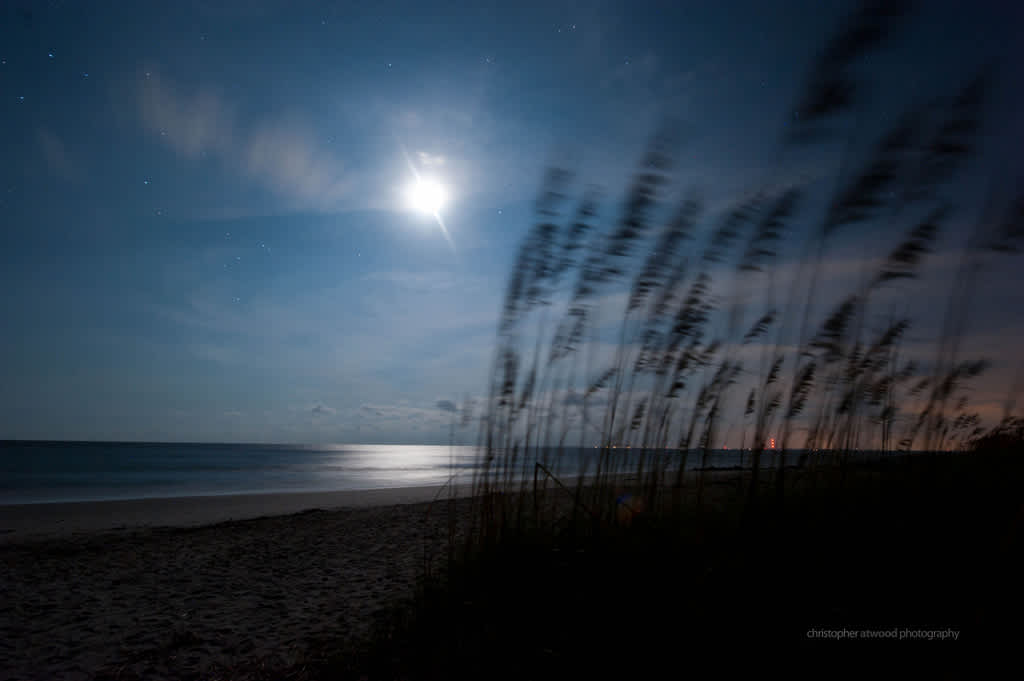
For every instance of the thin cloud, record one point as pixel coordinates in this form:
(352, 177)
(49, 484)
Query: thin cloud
(281, 156)
(285, 158)
(190, 124)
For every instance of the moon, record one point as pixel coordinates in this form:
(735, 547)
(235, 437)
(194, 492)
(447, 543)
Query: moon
(426, 195)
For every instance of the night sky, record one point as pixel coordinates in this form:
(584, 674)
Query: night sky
(204, 234)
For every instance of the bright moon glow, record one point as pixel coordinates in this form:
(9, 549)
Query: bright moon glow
(426, 196)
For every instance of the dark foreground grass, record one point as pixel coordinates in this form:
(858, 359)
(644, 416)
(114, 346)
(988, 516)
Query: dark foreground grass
(918, 544)
(757, 572)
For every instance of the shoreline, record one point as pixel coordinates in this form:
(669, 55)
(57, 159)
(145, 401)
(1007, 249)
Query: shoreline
(43, 520)
(56, 519)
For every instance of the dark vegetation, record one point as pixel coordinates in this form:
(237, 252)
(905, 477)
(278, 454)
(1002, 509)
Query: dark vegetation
(933, 545)
(570, 577)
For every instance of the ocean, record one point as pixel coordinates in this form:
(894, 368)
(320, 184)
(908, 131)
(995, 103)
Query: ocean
(42, 472)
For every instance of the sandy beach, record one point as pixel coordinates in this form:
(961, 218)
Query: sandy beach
(203, 587)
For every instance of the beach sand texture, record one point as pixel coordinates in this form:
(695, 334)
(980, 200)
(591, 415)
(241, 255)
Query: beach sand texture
(82, 602)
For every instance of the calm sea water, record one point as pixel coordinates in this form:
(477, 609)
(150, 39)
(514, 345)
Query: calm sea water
(37, 472)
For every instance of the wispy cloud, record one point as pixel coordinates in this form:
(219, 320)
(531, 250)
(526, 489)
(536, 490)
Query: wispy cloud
(286, 158)
(280, 155)
(192, 124)
(383, 337)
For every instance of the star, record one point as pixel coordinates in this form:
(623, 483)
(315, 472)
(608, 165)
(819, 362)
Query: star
(50, 55)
